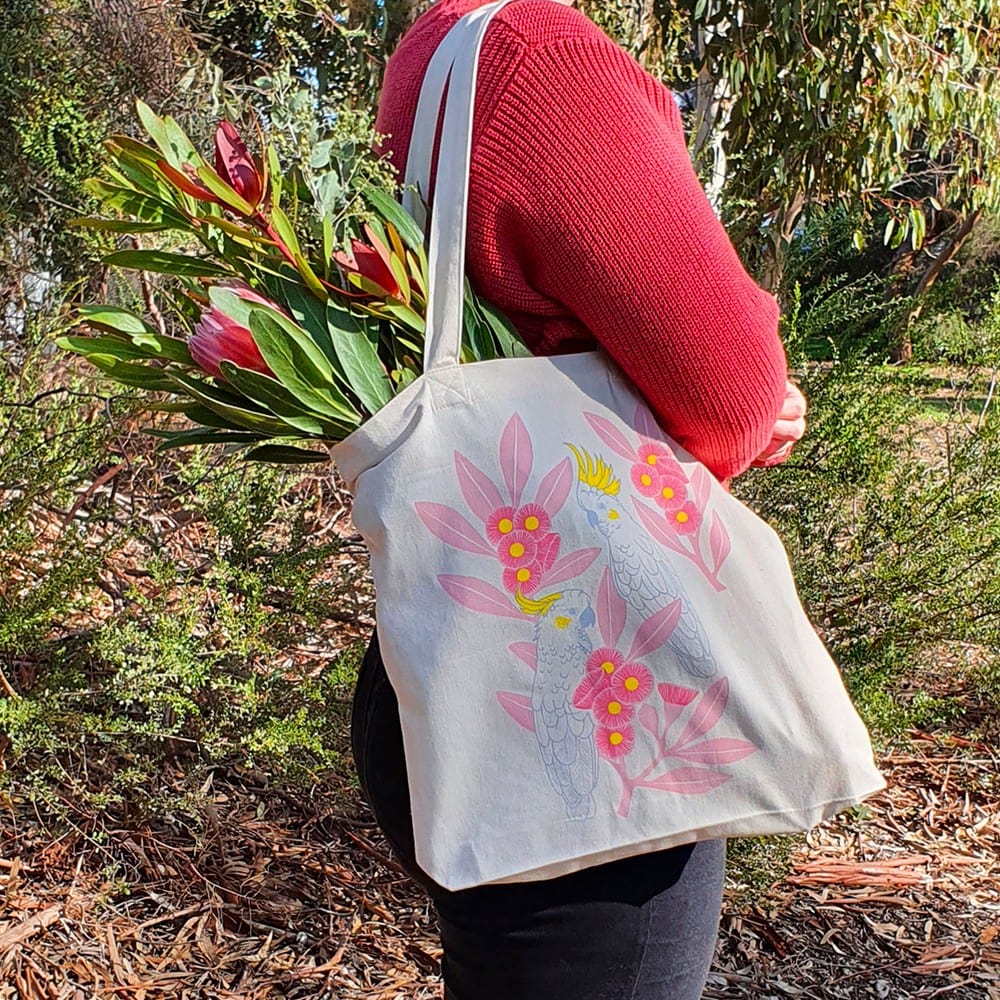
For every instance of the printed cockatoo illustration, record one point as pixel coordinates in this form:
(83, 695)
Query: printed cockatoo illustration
(565, 734)
(641, 574)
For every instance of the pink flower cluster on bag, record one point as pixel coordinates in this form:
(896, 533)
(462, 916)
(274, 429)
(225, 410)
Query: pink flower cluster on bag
(658, 475)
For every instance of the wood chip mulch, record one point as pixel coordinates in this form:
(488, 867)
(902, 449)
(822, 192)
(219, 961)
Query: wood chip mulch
(283, 895)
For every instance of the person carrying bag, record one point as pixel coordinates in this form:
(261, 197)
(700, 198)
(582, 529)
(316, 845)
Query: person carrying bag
(591, 664)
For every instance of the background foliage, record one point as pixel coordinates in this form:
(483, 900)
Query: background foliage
(160, 616)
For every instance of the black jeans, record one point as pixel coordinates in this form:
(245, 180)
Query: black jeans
(639, 929)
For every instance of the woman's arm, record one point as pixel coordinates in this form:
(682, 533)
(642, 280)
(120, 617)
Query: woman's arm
(611, 221)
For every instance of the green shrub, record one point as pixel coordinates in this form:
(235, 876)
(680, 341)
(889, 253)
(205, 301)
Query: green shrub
(892, 522)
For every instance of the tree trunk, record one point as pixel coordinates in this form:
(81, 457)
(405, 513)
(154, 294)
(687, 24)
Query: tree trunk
(903, 349)
(780, 234)
(646, 41)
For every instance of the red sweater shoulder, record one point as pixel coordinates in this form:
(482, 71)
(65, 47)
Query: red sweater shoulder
(588, 226)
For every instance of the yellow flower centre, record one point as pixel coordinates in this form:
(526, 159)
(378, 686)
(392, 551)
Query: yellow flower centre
(646, 479)
(615, 739)
(667, 493)
(612, 515)
(682, 517)
(531, 523)
(523, 575)
(506, 526)
(651, 459)
(608, 667)
(517, 550)
(631, 683)
(614, 708)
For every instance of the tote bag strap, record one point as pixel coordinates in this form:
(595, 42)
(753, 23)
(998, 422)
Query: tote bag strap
(455, 66)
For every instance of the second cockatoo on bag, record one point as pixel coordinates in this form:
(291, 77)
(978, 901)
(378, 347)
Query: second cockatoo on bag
(641, 573)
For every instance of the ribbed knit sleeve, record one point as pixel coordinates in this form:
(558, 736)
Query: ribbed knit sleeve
(588, 223)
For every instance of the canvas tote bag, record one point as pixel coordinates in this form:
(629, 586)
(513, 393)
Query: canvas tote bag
(597, 650)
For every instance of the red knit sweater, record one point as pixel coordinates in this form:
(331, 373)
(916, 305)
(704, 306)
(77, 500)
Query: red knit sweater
(588, 226)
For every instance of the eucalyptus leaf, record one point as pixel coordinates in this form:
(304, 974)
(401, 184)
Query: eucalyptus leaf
(162, 262)
(117, 225)
(354, 341)
(300, 366)
(272, 394)
(131, 202)
(185, 439)
(285, 455)
(128, 373)
(390, 209)
(223, 191)
(241, 416)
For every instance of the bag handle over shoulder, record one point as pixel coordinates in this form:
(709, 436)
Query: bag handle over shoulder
(454, 66)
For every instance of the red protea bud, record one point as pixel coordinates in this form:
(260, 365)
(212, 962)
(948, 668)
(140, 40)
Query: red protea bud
(372, 263)
(235, 165)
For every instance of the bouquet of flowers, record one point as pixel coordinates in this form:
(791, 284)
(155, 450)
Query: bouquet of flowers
(287, 329)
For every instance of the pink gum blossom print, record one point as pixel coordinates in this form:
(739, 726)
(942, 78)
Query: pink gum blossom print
(681, 504)
(618, 690)
(513, 532)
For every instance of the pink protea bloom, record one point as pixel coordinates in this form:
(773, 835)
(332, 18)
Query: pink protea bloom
(657, 458)
(613, 744)
(218, 338)
(526, 579)
(632, 683)
(646, 479)
(673, 694)
(685, 519)
(517, 549)
(604, 662)
(671, 492)
(533, 517)
(500, 524)
(611, 712)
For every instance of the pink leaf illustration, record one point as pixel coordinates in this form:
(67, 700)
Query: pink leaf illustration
(526, 652)
(611, 611)
(554, 488)
(654, 631)
(515, 457)
(588, 689)
(518, 707)
(478, 595)
(701, 483)
(452, 528)
(719, 542)
(688, 780)
(648, 718)
(723, 751)
(611, 436)
(570, 566)
(646, 424)
(548, 551)
(480, 494)
(658, 527)
(706, 713)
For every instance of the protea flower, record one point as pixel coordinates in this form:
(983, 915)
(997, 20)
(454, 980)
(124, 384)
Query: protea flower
(218, 338)
(371, 263)
(233, 164)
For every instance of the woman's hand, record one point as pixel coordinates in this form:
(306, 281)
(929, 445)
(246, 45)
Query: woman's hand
(788, 428)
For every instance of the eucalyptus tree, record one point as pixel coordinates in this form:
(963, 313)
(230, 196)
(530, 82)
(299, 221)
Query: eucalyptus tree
(889, 107)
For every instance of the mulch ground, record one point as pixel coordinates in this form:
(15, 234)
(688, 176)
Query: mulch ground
(281, 894)
(293, 895)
